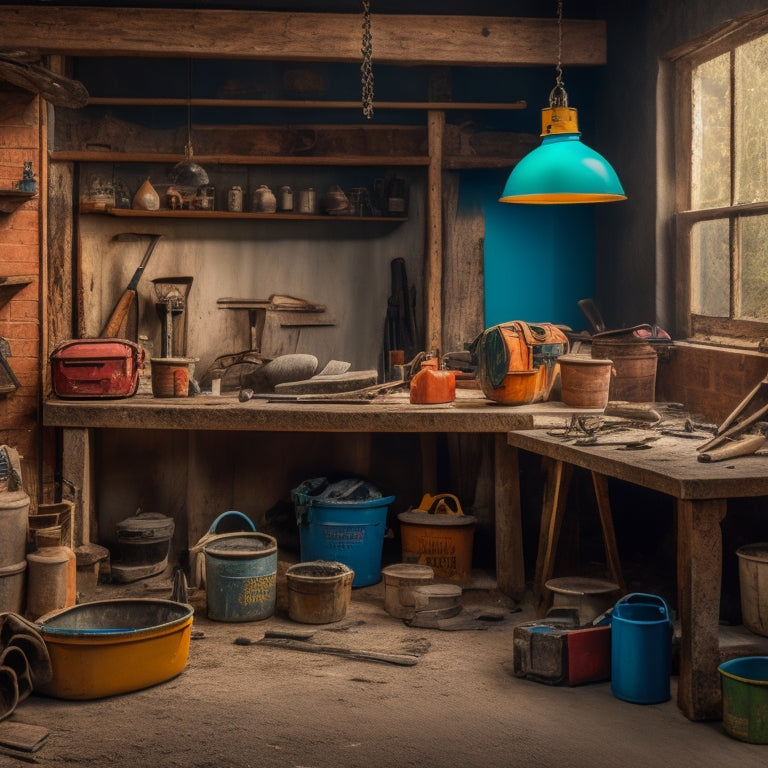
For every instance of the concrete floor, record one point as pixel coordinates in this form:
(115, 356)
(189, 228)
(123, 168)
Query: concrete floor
(243, 706)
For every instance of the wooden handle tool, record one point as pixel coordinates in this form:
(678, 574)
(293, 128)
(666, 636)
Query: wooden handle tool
(744, 446)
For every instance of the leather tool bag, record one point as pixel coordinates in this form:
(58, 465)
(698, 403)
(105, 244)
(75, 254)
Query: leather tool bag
(517, 361)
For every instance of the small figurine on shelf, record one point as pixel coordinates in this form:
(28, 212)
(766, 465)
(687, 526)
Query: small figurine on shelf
(146, 198)
(28, 183)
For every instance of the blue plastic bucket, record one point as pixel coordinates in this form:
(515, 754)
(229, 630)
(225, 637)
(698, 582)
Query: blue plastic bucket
(641, 649)
(351, 533)
(241, 576)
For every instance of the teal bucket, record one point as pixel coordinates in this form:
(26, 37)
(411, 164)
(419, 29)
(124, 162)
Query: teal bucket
(745, 698)
(241, 576)
(348, 532)
(641, 649)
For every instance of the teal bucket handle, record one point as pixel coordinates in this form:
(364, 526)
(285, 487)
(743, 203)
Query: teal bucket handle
(232, 513)
(646, 599)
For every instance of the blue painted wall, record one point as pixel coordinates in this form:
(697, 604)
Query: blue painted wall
(538, 259)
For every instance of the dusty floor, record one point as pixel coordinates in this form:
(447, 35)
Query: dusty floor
(251, 706)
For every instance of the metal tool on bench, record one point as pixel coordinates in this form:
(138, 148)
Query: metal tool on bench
(732, 438)
(252, 358)
(172, 298)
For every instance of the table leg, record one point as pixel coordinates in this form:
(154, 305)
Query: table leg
(699, 573)
(77, 478)
(555, 494)
(510, 566)
(600, 484)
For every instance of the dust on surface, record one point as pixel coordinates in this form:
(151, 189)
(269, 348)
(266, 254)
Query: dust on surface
(256, 706)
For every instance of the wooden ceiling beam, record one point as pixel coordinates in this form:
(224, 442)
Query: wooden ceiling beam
(283, 36)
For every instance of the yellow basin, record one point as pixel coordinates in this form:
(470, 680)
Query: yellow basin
(109, 647)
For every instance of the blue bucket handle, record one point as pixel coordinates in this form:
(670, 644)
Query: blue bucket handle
(233, 513)
(643, 597)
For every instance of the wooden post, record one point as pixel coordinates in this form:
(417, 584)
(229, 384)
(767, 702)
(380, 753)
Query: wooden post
(77, 477)
(699, 571)
(434, 249)
(510, 567)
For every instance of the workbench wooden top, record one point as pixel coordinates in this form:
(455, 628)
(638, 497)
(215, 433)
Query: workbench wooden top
(669, 465)
(470, 412)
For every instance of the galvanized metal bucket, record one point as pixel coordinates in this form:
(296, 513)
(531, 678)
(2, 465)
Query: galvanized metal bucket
(241, 576)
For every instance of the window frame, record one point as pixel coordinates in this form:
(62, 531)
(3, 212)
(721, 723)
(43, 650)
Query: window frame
(725, 331)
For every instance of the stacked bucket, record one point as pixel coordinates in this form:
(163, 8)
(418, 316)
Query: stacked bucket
(744, 680)
(14, 512)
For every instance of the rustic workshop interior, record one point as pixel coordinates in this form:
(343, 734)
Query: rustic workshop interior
(354, 305)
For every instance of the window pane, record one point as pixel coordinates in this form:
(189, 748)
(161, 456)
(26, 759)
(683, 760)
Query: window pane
(710, 269)
(711, 133)
(751, 152)
(754, 268)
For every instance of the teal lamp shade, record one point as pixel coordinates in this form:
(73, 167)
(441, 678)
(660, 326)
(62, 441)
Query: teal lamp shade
(562, 170)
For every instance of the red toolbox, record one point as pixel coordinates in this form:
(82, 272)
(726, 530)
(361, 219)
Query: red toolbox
(551, 653)
(96, 368)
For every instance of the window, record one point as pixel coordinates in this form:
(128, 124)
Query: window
(722, 196)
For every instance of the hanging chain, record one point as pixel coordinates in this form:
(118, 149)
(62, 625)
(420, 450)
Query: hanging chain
(558, 97)
(366, 68)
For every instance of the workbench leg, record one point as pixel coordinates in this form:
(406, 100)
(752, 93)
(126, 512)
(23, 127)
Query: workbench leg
(600, 484)
(77, 479)
(699, 573)
(510, 566)
(555, 494)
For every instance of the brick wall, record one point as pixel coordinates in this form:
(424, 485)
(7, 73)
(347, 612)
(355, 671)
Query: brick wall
(20, 256)
(709, 381)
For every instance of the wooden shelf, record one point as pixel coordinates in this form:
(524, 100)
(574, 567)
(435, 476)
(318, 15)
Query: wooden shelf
(10, 286)
(78, 156)
(11, 199)
(312, 104)
(186, 214)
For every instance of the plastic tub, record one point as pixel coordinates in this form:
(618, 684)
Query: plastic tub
(109, 647)
(745, 698)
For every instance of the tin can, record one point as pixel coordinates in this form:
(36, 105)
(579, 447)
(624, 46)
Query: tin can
(286, 198)
(307, 201)
(235, 199)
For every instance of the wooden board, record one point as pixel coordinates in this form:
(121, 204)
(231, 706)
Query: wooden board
(265, 35)
(23, 736)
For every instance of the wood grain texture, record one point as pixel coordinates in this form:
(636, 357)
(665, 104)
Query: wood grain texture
(415, 39)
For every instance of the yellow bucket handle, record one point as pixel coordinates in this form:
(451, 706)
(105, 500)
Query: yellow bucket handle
(438, 504)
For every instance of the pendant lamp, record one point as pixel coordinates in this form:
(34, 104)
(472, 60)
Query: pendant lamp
(561, 169)
(188, 173)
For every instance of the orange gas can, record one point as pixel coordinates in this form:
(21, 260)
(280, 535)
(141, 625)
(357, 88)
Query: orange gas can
(431, 385)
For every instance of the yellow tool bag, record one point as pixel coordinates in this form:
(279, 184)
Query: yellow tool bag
(517, 361)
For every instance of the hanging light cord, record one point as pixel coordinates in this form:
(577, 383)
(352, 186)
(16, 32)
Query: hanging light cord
(188, 148)
(366, 68)
(558, 97)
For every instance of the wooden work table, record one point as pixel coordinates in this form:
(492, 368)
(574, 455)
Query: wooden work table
(701, 492)
(469, 413)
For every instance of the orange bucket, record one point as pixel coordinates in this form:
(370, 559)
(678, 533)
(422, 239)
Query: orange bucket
(439, 535)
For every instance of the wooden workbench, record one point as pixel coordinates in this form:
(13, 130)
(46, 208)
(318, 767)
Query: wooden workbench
(701, 491)
(469, 413)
